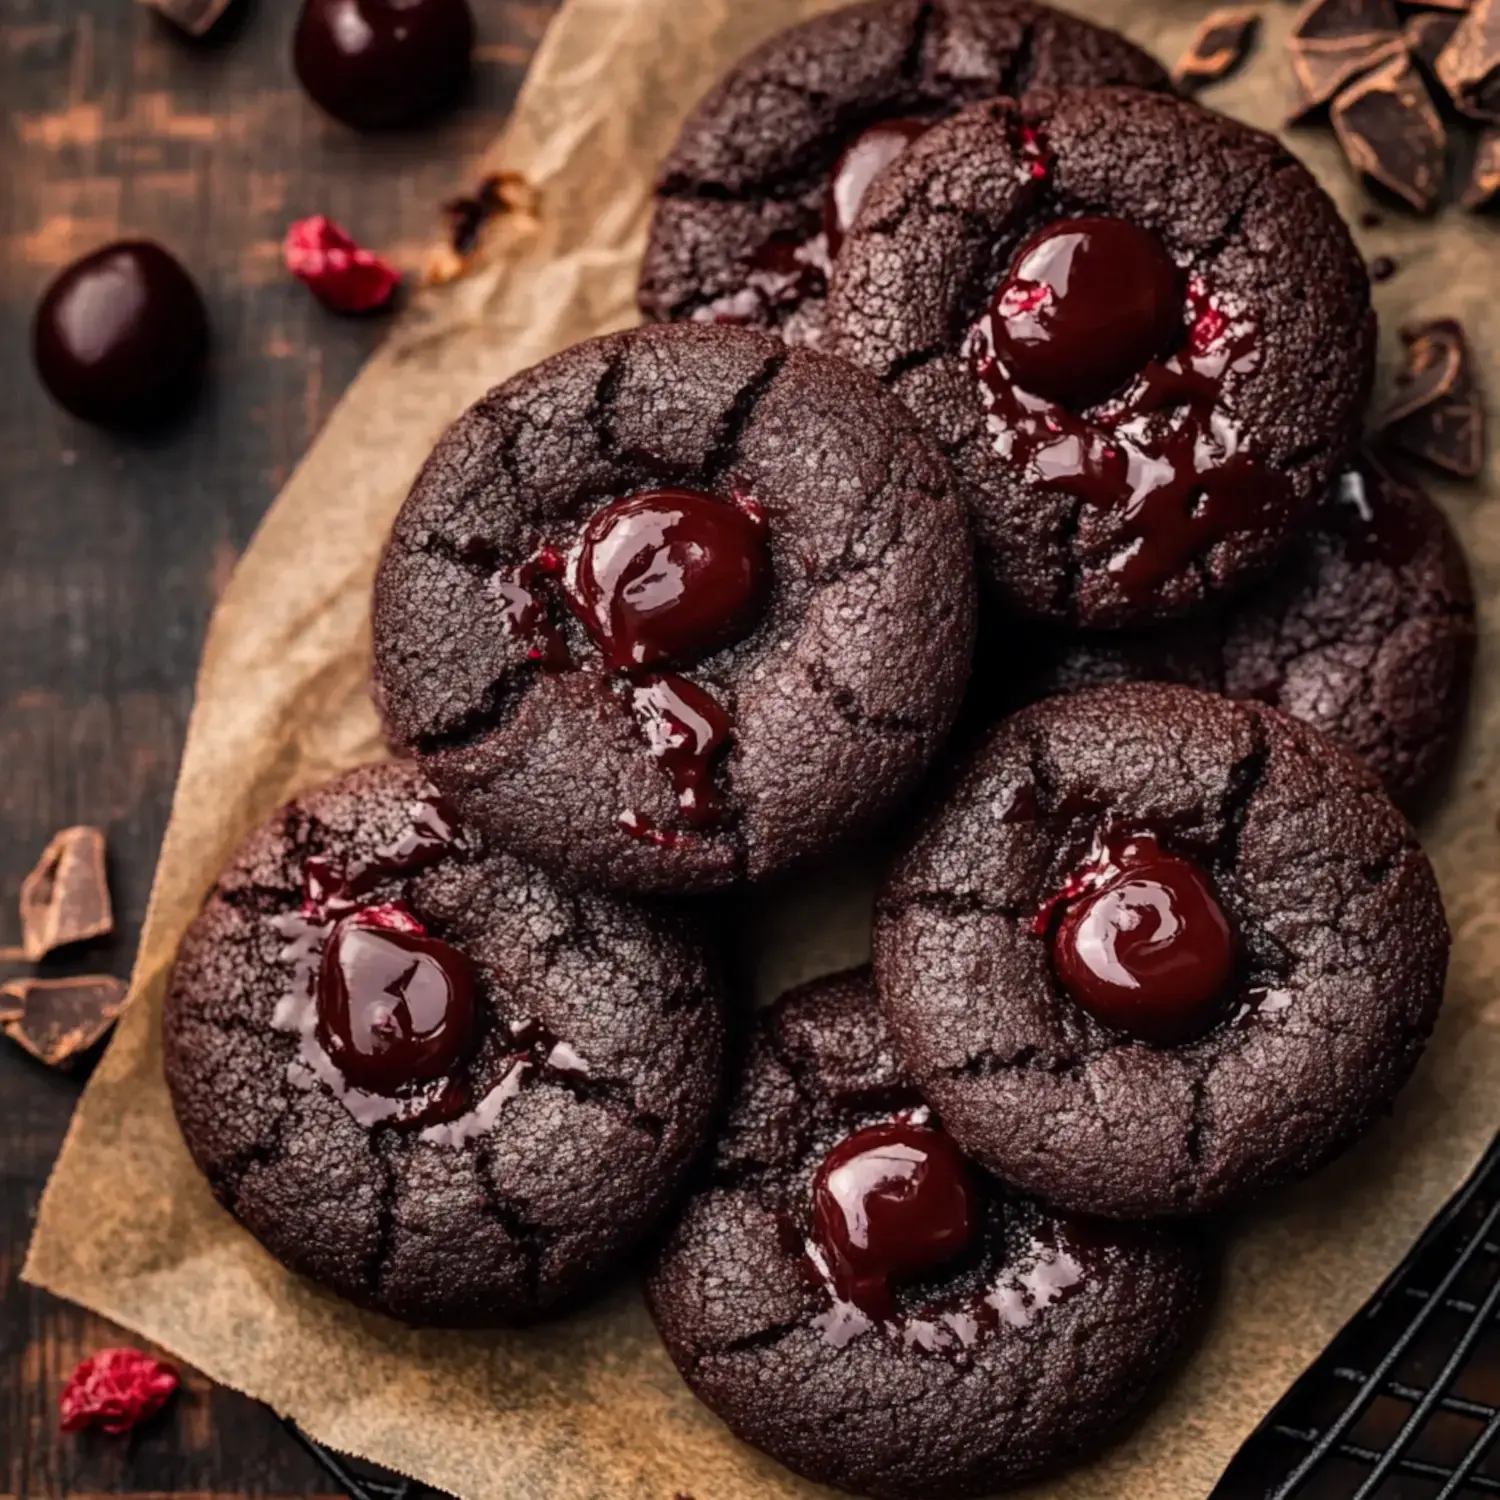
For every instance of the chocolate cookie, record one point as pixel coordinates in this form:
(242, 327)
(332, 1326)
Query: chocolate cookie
(1160, 950)
(1366, 632)
(1139, 329)
(677, 608)
(753, 201)
(424, 1075)
(853, 1297)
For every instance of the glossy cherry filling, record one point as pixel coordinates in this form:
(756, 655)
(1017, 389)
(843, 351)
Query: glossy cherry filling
(669, 576)
(1106, 373)
(685, 729)
(788, 269)
(1142, 942)
(1087, 304)
(891, 1201)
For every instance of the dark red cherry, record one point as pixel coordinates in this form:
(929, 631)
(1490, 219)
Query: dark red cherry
(121, 335)
(892, 1200)
(1087, 303)
(863, 160)
(668, 576)
(395, 1007)
(380, 63)
(1146, 947)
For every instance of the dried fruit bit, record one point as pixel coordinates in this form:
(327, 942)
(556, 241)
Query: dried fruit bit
(1333, 42)
(1220, 44)
(501, 195)
(196, 17)
(342, 275)
(1469, 66)
(1427, 33)
(116, 1389)
(65, 899)
(58, 1020)
(1391, 132)
(1436, 414)
(1484, 179)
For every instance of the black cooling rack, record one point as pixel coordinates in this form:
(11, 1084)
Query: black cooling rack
(1404, 1404)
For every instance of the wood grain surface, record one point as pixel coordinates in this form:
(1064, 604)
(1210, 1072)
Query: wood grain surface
(112, 552)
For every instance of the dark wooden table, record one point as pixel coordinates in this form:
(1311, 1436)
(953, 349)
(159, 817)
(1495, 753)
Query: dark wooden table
(112, 552)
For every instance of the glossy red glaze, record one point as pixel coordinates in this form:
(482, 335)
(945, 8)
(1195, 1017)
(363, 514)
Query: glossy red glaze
(862, 161)
(395, 1007)
(1088, 302)
(890, 1201)
(669, 576)
(1143, 944)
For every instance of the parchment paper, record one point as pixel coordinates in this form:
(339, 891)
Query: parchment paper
(591, 1406)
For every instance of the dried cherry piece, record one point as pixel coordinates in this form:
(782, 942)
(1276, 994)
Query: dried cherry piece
(342, 274)
(115, 1390)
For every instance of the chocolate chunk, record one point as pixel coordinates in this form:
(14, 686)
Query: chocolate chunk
(1321, 69)
(1333, 42)
(1220, 44)
(1390, 131)
(1427, 33)
(1484, 176)
(1436, 414)
(65, 899)
(1469, 66)
(58, 1020)
(196, 17)
(471, 218)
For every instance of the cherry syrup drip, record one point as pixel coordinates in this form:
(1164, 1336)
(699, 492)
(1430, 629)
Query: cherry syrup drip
(1140, 941)
(897, 1200)
(1159, 443)
(788, 270)
(386, 1014)
(686, 729)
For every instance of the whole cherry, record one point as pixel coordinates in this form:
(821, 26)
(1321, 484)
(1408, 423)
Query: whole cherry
(379, 64)
(121, 335)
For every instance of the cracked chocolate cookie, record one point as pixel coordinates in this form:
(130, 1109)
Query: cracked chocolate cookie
(423, 1074)
(676, 609)
(1140, 331)
(856, 1299)
(1160, 950)
(753, 201)
(1366, 632)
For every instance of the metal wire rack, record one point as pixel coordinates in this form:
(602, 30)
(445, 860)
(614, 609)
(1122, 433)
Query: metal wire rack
(1404, 1404)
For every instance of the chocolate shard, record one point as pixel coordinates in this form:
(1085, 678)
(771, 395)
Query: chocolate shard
(1221, 43)
(1390, 131)
(1335, 20)
(1436, 414)
(1322, 69)
(1427, 33)
(1469, 66)
(196, 17)
(65, 899)
(58, 1020)
(1483, 189)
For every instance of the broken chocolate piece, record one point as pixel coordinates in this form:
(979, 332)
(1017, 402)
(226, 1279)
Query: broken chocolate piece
(65, 899)
(1321, 69)
(1483, 188)
(501, 195)
(1469, 66)
(1334, 41)
(196, 17)
(58, 1020)
(1220, 44)
(1427, 33)
(1436, 414)
(1390, 131)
